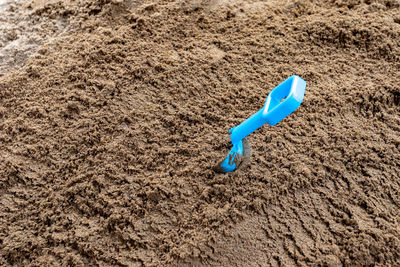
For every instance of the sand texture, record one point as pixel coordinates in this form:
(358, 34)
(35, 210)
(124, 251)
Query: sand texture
(113, 116)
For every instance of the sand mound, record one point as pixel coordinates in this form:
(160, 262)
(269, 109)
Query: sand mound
(108, 136)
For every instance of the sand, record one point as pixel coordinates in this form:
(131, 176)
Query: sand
(112, 121)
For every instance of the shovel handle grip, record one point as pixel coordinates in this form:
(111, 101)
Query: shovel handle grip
(281, 102)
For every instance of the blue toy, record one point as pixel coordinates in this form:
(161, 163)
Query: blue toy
(282, 101)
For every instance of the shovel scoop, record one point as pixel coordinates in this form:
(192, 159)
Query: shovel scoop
(281, 102)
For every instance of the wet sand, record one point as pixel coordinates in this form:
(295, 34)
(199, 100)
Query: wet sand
(113, 118)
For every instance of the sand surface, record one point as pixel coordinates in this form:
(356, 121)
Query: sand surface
(113, 114)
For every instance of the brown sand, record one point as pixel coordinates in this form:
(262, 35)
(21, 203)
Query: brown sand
(108, 136)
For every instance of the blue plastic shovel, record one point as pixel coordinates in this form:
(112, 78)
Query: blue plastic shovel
(282, 101)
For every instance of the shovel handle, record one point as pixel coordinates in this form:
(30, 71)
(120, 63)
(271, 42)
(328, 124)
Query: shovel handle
(281, 102)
